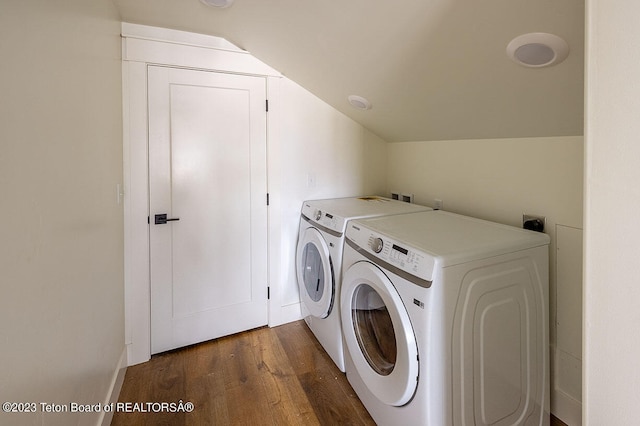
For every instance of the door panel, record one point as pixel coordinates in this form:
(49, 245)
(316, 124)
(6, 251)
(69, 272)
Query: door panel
(207, 168)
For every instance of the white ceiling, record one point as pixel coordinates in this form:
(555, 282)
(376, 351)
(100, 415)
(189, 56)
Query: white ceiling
(433, 69)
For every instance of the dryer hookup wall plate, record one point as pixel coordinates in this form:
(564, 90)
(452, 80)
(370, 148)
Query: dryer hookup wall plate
(407, 198)
(533, 223)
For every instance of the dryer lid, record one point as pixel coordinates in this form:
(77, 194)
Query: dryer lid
(334, 213)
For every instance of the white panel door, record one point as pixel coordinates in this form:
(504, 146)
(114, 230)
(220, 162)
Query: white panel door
(207, 173)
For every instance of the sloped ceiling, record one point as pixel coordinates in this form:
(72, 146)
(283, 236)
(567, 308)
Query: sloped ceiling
(433, 69)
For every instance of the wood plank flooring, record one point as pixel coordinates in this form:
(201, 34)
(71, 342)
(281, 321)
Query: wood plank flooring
(268, 376)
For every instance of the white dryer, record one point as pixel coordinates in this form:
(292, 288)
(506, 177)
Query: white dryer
(319, 260)
(445, 320)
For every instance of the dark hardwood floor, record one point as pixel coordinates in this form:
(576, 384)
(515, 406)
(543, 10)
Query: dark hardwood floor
(268, 376)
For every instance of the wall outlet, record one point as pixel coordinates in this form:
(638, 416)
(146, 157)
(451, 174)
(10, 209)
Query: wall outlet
(119, 193)
(437, 204)
(311, 180)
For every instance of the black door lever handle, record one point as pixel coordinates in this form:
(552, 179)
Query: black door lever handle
(161, 219)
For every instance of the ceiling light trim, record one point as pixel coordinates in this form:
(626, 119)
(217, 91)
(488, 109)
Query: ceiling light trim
(537, 50)
(220, 4)
(359, 102)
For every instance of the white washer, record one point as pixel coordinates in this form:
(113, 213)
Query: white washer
(319, 260)
(445, 320)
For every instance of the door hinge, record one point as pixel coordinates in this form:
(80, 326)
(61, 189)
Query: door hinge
(268, 292)
(148, 220)
(267, 198)
(266, 104)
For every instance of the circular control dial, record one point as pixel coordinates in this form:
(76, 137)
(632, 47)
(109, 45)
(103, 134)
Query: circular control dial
(376, 245)
(318, 214)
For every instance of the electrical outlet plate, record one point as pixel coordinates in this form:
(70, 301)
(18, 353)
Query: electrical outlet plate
(311, 180)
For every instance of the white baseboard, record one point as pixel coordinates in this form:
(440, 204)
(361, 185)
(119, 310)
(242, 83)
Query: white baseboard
(114, 389)
(287, 314)
(566, 387)
(567, 409)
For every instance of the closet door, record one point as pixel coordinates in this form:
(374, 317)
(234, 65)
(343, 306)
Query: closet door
(207, 204)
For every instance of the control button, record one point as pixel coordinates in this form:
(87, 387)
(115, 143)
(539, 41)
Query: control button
(318, 214)
(376, 245)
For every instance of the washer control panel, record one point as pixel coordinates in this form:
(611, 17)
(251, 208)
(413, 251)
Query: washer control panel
(395, 253)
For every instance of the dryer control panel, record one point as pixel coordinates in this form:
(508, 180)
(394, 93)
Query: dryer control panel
(393, 253)
(323, 218)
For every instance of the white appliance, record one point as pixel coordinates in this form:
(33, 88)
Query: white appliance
(445, 320)
(319, 260)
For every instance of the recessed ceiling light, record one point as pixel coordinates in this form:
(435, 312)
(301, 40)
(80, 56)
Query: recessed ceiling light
(218, 3)
(537, 50)
(359, 102)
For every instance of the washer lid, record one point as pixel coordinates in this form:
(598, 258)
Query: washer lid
(446, 237)
(314, 270)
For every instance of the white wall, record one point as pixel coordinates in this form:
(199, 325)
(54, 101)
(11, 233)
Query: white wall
(494, 179)
(61, 244)
(612, 203)
(317, 153)
(499, 180)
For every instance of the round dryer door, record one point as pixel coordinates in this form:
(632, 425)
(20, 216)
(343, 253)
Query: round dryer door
(378, 334)
(315, 273)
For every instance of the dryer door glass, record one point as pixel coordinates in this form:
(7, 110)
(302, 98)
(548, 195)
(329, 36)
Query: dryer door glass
(312, 272)
(374, 330)
(315, 274)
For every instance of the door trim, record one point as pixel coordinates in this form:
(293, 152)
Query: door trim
(137, 294)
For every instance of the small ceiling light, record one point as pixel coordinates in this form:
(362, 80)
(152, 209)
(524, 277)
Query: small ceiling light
(218, 3)
(537, 50)
(359, 102)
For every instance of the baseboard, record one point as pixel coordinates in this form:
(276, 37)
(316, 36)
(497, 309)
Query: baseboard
(114, 389)
(287, 314)
(567, 409)
(566, 384)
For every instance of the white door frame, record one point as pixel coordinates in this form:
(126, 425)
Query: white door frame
(143, 46)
